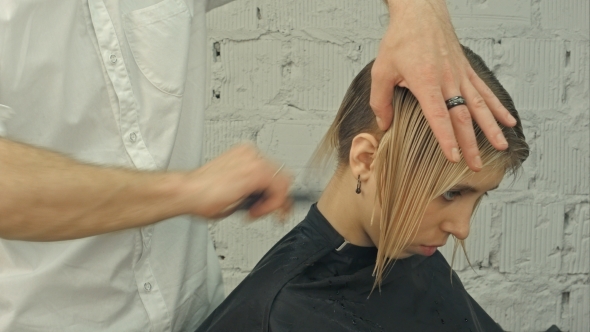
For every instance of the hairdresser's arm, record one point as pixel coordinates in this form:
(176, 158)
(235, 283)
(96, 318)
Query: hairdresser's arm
(45, 196)
(420, 51)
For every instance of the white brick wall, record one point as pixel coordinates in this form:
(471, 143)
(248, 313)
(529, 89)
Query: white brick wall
(284, 65)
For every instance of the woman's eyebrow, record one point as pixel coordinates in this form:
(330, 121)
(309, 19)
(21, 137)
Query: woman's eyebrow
(464, 187)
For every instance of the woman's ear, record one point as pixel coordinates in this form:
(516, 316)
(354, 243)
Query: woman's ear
(362, 153)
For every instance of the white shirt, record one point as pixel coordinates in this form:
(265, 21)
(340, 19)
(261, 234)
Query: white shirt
(113, 82)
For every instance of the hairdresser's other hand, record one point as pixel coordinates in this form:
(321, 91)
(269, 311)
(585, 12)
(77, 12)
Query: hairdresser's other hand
(421, 52)
(224, 182)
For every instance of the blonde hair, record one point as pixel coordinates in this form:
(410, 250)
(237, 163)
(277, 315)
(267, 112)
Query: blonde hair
(410, 166)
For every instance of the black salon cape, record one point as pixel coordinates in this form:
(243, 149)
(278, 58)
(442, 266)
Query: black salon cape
(304, 284)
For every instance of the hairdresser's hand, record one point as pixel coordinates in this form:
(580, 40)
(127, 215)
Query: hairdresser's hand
(421, 52)
(219, 186)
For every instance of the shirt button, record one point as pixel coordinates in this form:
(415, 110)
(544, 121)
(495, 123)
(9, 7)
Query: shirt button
(133, 137)
(113, 58)
(147, 286)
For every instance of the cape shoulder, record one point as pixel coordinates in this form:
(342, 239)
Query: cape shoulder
(247, 308)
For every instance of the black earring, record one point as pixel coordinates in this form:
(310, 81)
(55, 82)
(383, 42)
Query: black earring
(358, 186)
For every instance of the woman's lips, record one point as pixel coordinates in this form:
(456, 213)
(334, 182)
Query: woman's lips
(428, 250)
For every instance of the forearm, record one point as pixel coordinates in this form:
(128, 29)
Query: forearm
(45, 196)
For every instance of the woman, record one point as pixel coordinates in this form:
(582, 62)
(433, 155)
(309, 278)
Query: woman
(365, 258)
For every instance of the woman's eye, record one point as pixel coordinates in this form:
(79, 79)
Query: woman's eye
(450, 195)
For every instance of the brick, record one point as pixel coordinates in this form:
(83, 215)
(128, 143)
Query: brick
(532, 238)
(505, 13)
(580, 308)
(223, 135)
(562, 165)
(576, 258)
(246, 74)
(326, 14)
(573, 15)
(237, 15)
(533, 71)
(320, 74)
(577, 94)
(523, 311)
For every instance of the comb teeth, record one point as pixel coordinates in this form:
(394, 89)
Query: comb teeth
(298, 196)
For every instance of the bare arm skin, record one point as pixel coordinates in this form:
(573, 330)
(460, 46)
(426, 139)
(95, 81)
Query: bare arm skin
(45, 196)
(421, 52)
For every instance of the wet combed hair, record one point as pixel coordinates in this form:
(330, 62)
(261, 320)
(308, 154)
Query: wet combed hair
(412, 167)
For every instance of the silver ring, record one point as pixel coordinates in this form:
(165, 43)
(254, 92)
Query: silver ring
(455, 101)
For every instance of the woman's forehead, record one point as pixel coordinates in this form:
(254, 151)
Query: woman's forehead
(484, 180)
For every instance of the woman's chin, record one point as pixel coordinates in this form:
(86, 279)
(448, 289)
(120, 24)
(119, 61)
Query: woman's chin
(417, 250)
(427, 250)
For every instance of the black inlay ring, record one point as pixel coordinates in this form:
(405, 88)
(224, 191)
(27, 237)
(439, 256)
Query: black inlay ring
(455, 101)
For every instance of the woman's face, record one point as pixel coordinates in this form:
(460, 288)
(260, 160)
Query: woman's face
(448, 214)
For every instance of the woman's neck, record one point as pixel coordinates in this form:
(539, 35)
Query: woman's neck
(346, 210)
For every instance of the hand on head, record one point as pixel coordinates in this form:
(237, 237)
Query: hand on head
(421, 52)
(226, 181)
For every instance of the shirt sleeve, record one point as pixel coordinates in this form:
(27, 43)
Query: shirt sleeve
(5, 114)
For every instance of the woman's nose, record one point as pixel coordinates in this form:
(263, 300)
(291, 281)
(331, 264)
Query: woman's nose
(458, 225)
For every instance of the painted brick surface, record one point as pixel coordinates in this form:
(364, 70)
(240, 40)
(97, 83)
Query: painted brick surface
(576, 247)
(579, 306)
(326, 14)
(237, 15)
(562, 164)
(538, 68)
(572, 15)
(492, 14)
(227, 134)
(252, 72)
(532, 238)
(320, 74)
(279, 69)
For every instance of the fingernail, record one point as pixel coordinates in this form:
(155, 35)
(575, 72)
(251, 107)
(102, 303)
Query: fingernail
(379, 121)
(456, 155)
(477, 162)
(511, 119)
(501, 140)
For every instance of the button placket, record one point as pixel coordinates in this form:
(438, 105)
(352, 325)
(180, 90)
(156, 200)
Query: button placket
(128, 109)
(110, 52)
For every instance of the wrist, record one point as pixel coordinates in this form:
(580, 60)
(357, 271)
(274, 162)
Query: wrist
(171, 191)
